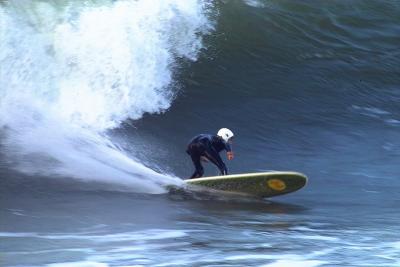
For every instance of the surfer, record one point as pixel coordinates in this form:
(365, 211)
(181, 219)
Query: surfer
(206, 147)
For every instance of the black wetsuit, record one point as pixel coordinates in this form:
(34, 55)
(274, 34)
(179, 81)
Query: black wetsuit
(208, 146)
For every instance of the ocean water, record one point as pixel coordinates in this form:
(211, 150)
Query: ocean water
(98, 100)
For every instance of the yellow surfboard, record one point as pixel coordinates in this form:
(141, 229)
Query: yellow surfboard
(263, 184)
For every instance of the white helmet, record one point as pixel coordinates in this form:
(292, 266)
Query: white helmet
(225, 134)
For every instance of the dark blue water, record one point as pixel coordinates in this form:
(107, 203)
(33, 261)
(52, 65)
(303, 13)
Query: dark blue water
(310, 86)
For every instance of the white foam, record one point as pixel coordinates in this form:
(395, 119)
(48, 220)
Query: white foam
(72, 71)
(258, 257)
(305, 229)
(153, 234)
(10, 234)
(295, 263)
(286, 260)
(393, 121)
(254, 3)
(119, 257)
(395, 245)
(79, 264)
(371, 110)
(82, 250)
(317, 237)
(148, 247)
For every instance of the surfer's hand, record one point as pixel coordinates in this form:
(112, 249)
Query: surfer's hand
(229, 155)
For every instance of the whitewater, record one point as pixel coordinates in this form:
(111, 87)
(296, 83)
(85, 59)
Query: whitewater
(72, 71)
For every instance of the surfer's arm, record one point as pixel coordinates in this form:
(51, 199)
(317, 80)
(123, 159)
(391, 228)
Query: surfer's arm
(229, 152)
(222, 167)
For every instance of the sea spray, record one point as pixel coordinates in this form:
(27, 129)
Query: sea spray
(70, 72)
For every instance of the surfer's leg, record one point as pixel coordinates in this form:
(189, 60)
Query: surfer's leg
(197, 164)
(214, 157)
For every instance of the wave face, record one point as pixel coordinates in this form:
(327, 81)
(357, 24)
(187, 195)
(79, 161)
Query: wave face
(304, 86)
(72, 71)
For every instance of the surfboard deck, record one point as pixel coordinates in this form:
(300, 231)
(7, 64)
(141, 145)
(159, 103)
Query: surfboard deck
(263, 184)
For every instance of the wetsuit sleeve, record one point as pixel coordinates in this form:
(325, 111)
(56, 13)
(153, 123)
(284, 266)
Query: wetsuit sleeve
(228, 147)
